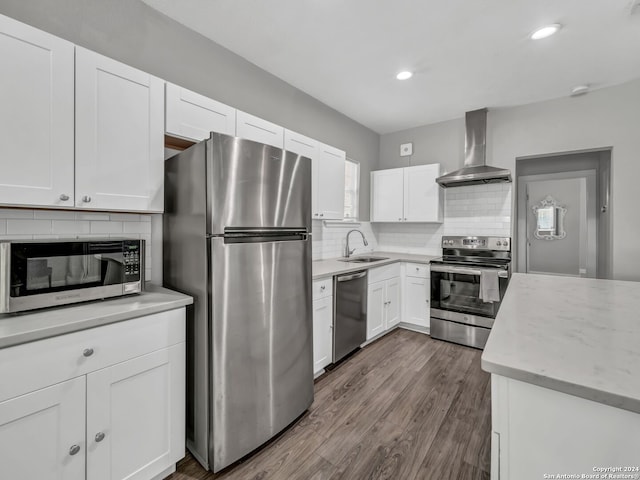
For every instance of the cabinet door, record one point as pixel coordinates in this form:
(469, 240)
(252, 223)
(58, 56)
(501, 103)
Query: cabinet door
(194, 116)
(259, 130)
(329, 183)
(322, 333)
(392, 295)
(36, 117)
(422, 195)
(38, 431)
(386, 195)
(119, 136)
(416, 301)
(376, 309)
(135, 416)
(307, 147)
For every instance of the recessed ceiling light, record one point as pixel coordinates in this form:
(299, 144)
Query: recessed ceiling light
(405, 75)
(545, 31)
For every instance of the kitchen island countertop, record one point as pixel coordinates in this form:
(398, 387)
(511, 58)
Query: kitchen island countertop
(25, 327)
(574, 335)
(333, 266)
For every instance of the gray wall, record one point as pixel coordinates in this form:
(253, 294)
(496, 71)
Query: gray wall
(609, 117)
(135, 34)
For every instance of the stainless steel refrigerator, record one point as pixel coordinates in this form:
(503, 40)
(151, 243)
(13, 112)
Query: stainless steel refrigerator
(237, 227)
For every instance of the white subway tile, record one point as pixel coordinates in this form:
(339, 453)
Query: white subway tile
(71, 227)
(100, 227)
(93, 216)
(125, 217)
(17, 226)
(54, 215)
(45, 237)
(16, 237)
(137, 227)
(16, 213)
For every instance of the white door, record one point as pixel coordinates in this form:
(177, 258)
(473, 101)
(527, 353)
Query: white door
(329, 182)
(307, 147)
(376, 309)
(422, 195)
(36, 117)
(194, 116)
(416, 301)
(259, 130)
(573, 251)
(322, 333)
(42, 433)
(119, 136)
(393, 302)
(135, 416)
(386, 195)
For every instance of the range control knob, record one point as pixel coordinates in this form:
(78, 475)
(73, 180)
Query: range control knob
(498, 243)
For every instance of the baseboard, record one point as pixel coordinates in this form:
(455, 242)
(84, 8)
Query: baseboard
(165, 473)
(414, 328)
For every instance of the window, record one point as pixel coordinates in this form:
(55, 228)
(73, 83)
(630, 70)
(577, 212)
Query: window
(351, 189)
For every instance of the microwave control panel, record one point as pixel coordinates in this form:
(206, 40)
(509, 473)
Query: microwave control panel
(132, 259)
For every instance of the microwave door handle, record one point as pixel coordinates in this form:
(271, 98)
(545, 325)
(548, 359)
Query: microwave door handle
(464, 271)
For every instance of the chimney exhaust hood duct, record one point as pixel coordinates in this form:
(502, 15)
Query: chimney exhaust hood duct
(475, 170)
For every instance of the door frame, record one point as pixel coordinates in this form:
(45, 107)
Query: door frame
(589, 229)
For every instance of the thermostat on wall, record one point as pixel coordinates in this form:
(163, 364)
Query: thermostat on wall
(406, 149)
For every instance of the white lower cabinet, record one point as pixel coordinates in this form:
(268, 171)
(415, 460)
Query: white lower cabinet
(42, 433)
(383, 299)
(416, 295)
(322, 324)
(122, 419)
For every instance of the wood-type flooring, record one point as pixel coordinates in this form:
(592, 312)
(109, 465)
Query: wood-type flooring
(405, 407)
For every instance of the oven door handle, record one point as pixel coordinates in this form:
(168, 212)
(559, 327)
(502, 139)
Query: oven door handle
(465, 271)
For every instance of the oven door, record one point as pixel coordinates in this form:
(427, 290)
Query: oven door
(455, 294)
(47, 274)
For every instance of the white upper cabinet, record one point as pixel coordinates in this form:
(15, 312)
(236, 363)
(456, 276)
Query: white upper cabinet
(328, 184)
(193, 116)
(119, 135)
(386, 195)
(408, 194)
(423, 197)
(327, 177)
(36, 117)
(259, 130)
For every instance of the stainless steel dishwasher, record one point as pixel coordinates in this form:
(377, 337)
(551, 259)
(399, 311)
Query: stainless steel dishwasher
(350, 313)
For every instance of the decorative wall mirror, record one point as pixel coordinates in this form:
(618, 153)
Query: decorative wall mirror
(549, 217)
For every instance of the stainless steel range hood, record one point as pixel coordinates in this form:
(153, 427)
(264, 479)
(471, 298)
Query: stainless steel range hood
(475, 170)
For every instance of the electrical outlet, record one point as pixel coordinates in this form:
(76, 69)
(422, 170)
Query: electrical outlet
(406, 149)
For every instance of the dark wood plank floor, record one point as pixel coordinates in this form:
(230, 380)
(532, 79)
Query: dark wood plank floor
(405, 407)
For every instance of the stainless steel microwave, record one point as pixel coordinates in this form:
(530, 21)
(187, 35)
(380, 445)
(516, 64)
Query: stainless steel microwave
(37, 274)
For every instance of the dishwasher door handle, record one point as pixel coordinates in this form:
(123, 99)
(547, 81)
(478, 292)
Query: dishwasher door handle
(346, 278)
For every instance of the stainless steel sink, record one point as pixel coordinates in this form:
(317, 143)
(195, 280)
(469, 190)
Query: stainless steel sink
(363, 259)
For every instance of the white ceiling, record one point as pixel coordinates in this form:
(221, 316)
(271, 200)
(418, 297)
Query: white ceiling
(467, 54)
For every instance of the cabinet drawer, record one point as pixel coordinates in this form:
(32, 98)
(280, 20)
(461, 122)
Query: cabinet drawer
(322, 288)
(31, 366)
(419, 270)
(383, 273)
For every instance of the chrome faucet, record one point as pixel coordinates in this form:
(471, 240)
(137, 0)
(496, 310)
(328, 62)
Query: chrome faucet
(347, 251)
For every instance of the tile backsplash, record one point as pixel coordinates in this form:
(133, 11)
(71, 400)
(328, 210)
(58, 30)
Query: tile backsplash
(329, 239)
(27, 224)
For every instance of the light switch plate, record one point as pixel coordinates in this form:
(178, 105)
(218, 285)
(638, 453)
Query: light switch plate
(406, 149)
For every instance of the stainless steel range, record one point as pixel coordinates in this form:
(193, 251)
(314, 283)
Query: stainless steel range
(467, 285)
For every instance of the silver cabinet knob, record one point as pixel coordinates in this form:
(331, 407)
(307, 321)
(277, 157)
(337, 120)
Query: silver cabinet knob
(322, 214)
(405, 219)
(315, 214)
(417, 269)
(400, 218)
(86, 199)
(74, 449)
(322, 287)
(87, 352)
(64, 197)
(99, 436)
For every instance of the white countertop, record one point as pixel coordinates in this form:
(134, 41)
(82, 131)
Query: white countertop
(25, 327)
(574, 335)
(333, 266)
